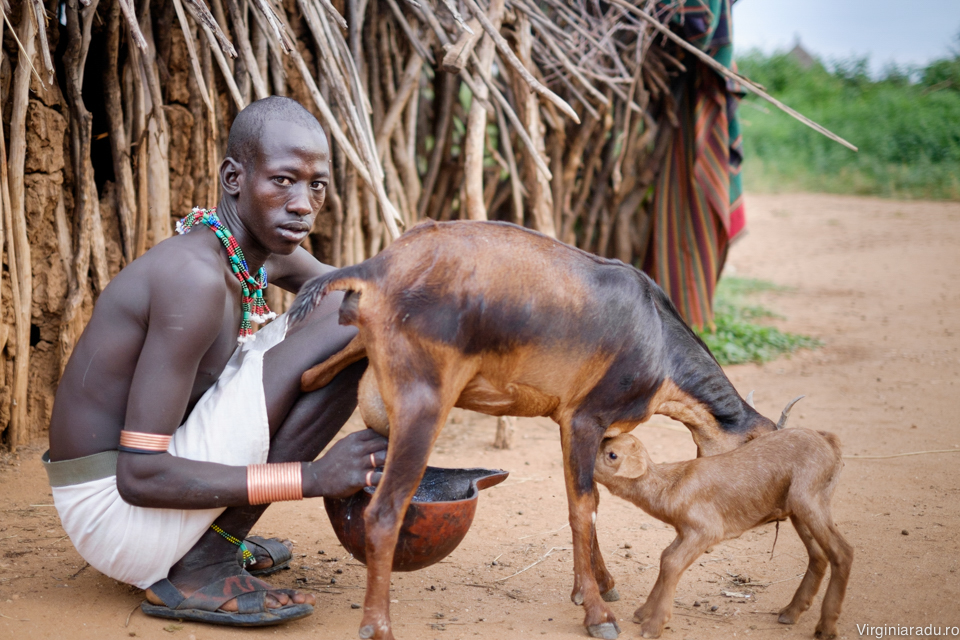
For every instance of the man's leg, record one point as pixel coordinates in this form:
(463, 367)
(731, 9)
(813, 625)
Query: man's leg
(301, 426)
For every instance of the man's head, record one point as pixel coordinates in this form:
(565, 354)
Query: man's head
(276, 171)
(246, 133)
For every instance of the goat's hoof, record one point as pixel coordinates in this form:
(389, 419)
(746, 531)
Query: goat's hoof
(787, 618)
(824, 634)
(366, 632)
(611, 596)
(605, 630)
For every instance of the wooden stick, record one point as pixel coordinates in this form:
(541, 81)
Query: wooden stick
(225, 70)
(41, 14)
(13, 32)
(119, 143)
(273, 20)
(87, 13)
(512, 59)
(516, 187)
(130, 14)
(246, 51)
(569, 66)
(475, 137)
(441, 132)
(19, 248)
(206, 20)
(408, 31)
(458, 53)
(727, 73)
(515, 121)
(410, 82)
(451, 5)
(333, 13)
(192, 54)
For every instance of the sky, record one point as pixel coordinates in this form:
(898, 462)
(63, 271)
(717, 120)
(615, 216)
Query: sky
(884, 30)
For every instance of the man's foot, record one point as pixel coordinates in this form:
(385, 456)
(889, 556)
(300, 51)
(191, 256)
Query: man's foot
(271, 554)
(237, 600)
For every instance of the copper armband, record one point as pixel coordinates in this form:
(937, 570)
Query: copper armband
(139, 442)
(275, 482)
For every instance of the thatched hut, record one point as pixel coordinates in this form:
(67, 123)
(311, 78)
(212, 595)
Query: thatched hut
(584, 119)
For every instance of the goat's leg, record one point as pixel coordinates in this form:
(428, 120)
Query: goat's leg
(321, 374)
(605, 581)
(810, 584)
(417, 406)
(656, 612)
(580, 439)
(840, 553)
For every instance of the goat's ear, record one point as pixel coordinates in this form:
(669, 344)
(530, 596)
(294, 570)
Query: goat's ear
(633, 466)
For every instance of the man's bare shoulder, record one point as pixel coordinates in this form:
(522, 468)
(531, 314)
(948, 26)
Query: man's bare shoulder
(181, 272)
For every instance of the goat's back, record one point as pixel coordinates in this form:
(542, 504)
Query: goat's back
(493, 286)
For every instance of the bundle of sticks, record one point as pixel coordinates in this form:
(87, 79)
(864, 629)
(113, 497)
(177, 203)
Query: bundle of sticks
(555, 114)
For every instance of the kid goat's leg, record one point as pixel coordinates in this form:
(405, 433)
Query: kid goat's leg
(840, 553)
(811, 579)
(676, 558)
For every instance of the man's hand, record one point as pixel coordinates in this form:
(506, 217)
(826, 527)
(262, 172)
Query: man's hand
(344, 469)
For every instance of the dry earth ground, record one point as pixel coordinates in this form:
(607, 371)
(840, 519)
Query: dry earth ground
(876, 280)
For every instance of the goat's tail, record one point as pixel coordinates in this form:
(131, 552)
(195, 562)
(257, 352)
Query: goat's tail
(351, 278)
(833, 440)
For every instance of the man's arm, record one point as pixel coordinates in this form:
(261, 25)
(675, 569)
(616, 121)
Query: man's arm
(293, 271)
(185, 320)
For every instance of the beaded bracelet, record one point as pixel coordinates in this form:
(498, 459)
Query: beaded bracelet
(145, 443)
(276, 482)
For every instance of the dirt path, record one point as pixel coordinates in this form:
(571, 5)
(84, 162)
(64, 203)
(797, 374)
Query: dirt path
(875, 280)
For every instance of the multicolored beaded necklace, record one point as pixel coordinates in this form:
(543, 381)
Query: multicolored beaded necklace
(253, 306)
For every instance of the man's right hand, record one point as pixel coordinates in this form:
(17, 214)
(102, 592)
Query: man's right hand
(345, 468)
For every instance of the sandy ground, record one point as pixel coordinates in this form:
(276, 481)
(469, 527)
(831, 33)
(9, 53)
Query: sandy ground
(876, 280)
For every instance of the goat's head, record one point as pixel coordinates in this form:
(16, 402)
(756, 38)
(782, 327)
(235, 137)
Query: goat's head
(620, 457)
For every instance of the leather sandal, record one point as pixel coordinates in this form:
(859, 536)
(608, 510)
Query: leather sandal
(204, 604)
(274, 548)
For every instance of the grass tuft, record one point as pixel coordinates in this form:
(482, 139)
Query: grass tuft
(737, 338)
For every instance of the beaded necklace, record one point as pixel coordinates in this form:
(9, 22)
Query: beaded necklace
(253, 306)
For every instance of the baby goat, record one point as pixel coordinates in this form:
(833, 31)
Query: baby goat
(784, 473)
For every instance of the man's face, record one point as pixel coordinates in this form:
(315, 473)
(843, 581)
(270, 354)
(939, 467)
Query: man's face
(285, 186)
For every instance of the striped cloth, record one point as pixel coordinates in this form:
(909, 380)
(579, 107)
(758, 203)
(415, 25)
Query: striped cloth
(698, 203)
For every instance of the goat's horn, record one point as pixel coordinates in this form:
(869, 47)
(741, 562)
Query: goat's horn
(750, 400)
(786, 411)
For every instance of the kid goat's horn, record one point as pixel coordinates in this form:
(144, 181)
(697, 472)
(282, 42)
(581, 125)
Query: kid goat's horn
(786, 411)
(749, 400)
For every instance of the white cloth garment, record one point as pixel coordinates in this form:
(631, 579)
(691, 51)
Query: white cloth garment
(138, 545)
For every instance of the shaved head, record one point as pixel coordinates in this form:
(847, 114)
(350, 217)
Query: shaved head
(243, 144)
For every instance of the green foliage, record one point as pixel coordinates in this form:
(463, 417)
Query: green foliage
(906, 124)
(736, 338)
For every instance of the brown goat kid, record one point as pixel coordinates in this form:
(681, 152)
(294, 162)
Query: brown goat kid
(505, 321)
(790, 473)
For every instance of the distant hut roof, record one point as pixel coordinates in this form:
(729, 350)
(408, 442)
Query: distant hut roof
(802, 56)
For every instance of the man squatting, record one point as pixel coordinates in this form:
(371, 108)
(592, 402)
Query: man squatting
(168, 439)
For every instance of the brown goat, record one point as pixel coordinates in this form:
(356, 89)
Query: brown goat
(502, 320)
(790, 473)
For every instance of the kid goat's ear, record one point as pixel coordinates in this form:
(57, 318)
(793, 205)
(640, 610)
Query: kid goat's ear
(632, 466)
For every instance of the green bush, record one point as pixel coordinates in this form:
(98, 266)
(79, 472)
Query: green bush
(906, 125)
(736, 338)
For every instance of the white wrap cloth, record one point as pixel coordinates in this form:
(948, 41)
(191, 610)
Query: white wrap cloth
(138, 545)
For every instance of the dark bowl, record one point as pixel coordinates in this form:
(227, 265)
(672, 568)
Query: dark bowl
(436, 521)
